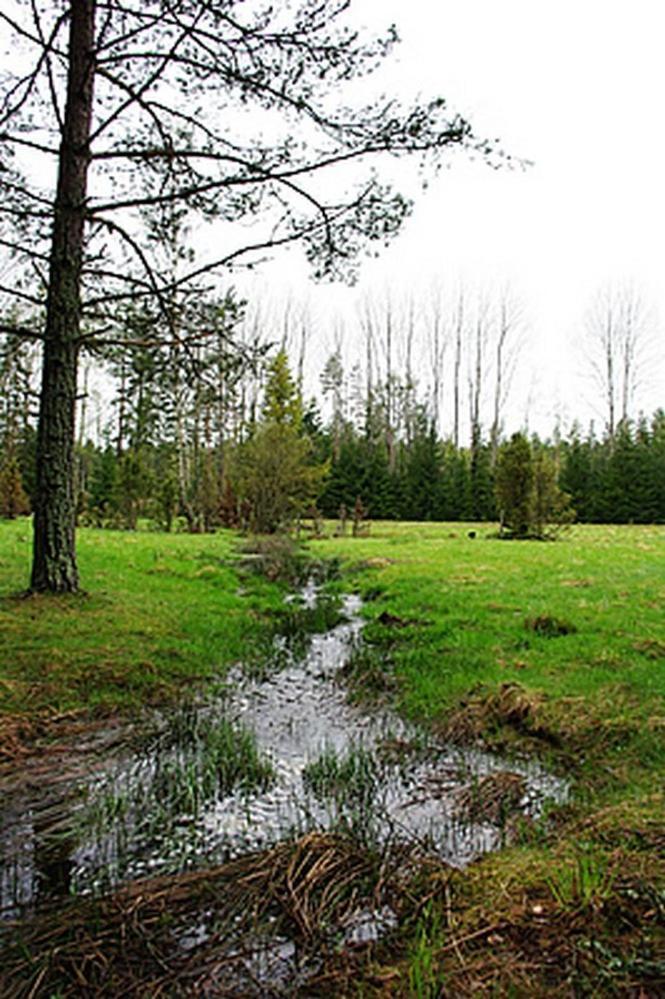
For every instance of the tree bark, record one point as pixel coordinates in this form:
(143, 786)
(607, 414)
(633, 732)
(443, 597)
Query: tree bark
(54, 566)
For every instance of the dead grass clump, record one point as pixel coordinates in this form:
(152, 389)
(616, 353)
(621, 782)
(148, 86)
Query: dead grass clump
(389, 620)
(549, 627)
(16, 737)
(651, 648)
(502, 932)
(493, 798)
(485, 712)
(635, 823)
(569, 725)
(549, 952)
(41, 743)
(196, 932)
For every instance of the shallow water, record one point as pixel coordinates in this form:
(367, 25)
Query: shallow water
(121, 820)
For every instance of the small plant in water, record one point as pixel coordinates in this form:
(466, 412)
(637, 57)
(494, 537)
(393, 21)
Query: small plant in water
(367, 672)
(298, 621)
(275, 556)
(198, 759)
(349, 783)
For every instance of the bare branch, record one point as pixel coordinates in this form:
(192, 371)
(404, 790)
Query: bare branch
(55, 104)
(145, 86)
(28, 143)
(20, 248)
(23, 295)
(23, 332)
(30, 79)
(154, 284)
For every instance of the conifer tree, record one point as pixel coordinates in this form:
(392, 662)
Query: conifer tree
(274, 471)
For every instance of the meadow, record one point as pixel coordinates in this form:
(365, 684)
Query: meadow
(573, 630)
(159, 613)
(549, 649)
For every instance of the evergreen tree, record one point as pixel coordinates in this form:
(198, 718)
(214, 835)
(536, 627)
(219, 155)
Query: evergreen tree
(550, 509)
(531, 503)
(102, 489)
(576, 473)
(514, 486)
(656, 464)
(282, 403)
(274, 472)
(456, 495)
(482, 480)
(422, 475)
(13, 499)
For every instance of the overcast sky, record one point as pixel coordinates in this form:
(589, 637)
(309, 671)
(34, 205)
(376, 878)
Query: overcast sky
(576, 87)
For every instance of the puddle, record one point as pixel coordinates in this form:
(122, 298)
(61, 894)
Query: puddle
(302, 759)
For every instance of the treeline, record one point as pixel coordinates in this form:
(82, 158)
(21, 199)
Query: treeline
(221, 437)
(618, 480)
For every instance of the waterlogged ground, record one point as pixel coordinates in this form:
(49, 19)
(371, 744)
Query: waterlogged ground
(279, 753)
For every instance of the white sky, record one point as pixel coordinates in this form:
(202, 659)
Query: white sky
(577, 87)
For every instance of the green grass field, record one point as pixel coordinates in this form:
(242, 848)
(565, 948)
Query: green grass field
(577, 625)
(160, 611)
(555, 649)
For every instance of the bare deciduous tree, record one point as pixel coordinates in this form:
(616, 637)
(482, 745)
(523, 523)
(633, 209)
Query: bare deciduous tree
(618, 339)
(508, 325)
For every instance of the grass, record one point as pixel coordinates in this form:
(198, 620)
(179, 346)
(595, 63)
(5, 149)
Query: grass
(162, 613)
(201, 759)
(576, 625)
(554, 649)
(348, 784)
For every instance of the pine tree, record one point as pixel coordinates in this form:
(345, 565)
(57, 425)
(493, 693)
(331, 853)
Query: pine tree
(528, 495)
(514, 486)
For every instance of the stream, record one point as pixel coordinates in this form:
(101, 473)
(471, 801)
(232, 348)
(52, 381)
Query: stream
(302, 758)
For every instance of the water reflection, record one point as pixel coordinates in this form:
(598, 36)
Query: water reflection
(233, 776)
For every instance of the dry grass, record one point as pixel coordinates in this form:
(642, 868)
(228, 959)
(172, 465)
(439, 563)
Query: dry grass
(127, 944)
(492, 799)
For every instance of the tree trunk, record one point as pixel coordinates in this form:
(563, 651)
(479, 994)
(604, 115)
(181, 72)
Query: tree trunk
(54, 556)
(459, 325)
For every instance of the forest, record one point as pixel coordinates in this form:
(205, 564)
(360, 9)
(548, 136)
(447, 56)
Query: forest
(171, 441)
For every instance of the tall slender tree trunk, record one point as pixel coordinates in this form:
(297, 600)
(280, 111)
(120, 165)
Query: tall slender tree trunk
(459, 326)
(502, 336)
(54, 555)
